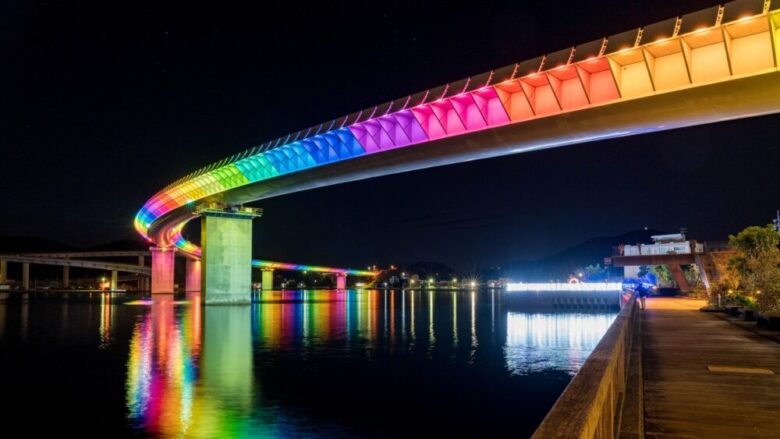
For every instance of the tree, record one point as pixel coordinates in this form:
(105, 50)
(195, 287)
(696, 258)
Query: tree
(692, 275)
(756, 264)
(596, 272)
(592, 273)
(661, 272)
(756, 241)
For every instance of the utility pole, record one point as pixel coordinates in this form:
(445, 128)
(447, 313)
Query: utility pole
(776, 221)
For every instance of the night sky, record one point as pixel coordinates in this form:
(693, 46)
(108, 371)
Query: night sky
(105, 104)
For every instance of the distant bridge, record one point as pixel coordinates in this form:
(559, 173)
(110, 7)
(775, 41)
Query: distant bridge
(76, 259)
(67, 260)
(712, 65)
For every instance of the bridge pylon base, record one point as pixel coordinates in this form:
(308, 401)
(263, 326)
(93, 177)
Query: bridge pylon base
(163, 263)
(226, 258)
(192, 276)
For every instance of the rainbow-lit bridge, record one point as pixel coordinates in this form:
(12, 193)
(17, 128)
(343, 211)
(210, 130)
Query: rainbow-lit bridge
(712, 65)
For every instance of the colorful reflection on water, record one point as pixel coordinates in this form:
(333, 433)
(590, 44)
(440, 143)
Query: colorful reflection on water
(297, 363)
(161, 372)
(231, 371)
(190, 374)
(284, 318)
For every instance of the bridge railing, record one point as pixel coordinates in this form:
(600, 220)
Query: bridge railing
(589, 406)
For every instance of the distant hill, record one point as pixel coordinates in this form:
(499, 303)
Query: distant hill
(426, 269)
(35, 244)
(560, 265)
(30, 244)
(120, 245)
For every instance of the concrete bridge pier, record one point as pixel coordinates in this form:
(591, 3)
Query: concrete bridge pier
(65, 276)
(163, 260)
(193, 274)
(226, 256)
(341, 281)
(677, 273)
(25, 276)
(3, 270)
(267, 280)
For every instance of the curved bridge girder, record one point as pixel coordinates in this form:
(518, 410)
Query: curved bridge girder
(677, 73)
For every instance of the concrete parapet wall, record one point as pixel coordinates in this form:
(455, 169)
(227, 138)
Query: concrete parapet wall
(591, 404)
(564, 300)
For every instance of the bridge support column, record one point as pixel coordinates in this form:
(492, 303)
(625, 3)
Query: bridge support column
(25, 276)
(267, 280)
(114, 280)
(3, 270)
(677, 273)
(341, 281)
(163, 260)
(65, 276)
(226, 258)
(193, 275)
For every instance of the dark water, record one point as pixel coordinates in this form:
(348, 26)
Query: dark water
(304, 363)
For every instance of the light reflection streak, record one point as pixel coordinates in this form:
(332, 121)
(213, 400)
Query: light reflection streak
(474, 342)
(493, 311)
(385, 309)
(411, 323)
(539, 342)
(454, 319)
(431, 330)
(392, 318)
(373, 315)
(106, 311)
(403, 314)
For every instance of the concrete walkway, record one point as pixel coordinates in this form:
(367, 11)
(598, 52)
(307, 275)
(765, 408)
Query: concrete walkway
(684, 397)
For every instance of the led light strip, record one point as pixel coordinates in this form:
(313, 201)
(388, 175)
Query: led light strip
(562, 286)
(561, 82)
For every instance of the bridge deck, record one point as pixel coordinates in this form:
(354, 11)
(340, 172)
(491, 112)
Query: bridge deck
(682, 398)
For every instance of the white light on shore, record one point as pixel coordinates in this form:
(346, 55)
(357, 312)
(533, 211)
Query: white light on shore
(564, 286)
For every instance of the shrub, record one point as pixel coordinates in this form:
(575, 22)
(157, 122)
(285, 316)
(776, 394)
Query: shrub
(739, 299)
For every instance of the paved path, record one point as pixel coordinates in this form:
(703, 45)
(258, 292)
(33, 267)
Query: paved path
(683, 398)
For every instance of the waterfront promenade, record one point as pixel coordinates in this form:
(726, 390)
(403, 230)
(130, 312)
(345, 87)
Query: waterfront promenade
(706, 377)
